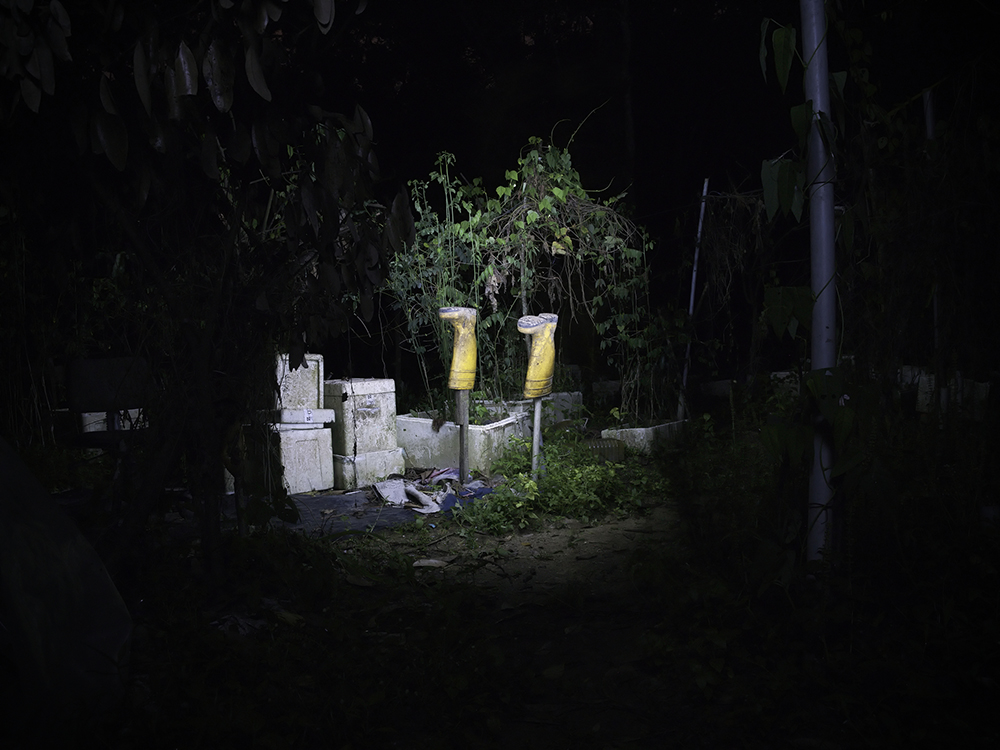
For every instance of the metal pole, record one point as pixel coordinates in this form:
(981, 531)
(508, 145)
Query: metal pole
(819, 176)
(462, 412)
(681, 404)
(536, 440)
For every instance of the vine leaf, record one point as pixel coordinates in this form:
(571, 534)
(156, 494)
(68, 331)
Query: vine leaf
(324, 11)
(801, 119)
(186, 70)
(255, 74)
(140, 72)
(60, 16)
(173, 103)
(31, 94)
(56, 34)
(220, 75)
(784, 52)
(41, 67)
(107, 101)
(763, 47)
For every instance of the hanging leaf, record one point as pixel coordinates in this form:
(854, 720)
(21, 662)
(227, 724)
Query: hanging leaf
(31, 94)
(186, 70)
(41, 67)
(107, 101)
(260, 17)
(273, 10)
(255, 74)
(361, 7)
(56, 36)
(60, 16)
(827, 132)
(364, 123)
(324, 10)
(220, 75)
(798, 197)
(801, 118)
(784, 53)
(113, 137)
(140, 72)
(763, 47)
(173, 102)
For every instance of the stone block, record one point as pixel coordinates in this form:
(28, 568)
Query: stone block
(301, 388)
(364, 469)
(366, 415)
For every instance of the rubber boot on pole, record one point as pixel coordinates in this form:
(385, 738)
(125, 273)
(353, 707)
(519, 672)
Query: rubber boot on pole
(541, 364)
(463, 375)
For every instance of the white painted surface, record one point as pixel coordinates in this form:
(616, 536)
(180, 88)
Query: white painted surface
(364, 469)
(427, 449)
(366, 415)
(301, 388)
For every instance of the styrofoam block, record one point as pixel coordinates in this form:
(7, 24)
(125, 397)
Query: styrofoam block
(364, 469)
(925, 393)
(643, 439)
(366, 415)
(304, 416)
(424, 448)
(307, 458)
(909, 375)
(97, 421)
(303, 387)
(556, 407)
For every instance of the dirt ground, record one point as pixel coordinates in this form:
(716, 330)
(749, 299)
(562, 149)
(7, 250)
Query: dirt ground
(589, 560)
(564, 608)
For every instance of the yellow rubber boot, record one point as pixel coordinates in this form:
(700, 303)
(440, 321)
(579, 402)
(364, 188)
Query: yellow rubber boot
(542, 360)
(463, 357)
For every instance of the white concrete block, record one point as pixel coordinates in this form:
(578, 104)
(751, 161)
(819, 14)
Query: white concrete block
(427, 449)
(307, 457)
(308, 417)
(97, 421)
(556, 407)
(366, 415)
(643, 439)
(925, 393)
(303, 387)
(364, 469)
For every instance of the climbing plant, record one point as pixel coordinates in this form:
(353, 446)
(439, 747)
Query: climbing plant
(539, 243)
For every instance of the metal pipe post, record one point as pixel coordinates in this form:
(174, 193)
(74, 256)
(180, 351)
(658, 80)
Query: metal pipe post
(819, 177)
(462, 415)
(536, 440)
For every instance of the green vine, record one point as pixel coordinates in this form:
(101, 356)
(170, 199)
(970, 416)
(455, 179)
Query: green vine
(542, 244)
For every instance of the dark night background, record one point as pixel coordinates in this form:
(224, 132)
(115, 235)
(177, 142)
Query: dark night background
(137, 217)
(664, 95)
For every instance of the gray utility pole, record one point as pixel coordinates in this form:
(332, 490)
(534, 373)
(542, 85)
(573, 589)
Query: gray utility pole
(819, 178)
